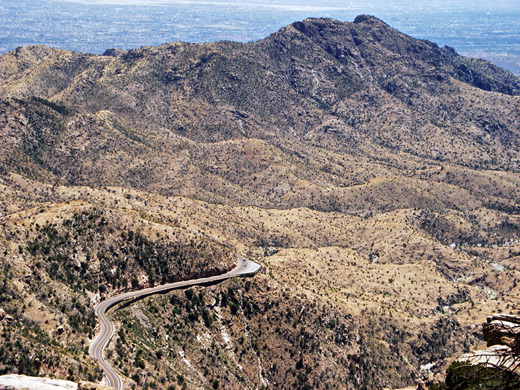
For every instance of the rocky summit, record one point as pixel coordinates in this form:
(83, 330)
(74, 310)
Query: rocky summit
(374, 176)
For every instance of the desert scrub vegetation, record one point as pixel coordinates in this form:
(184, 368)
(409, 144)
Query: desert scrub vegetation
(42, 331)
(462, 376)
(73, 252)
(245, 333)
(98, 250)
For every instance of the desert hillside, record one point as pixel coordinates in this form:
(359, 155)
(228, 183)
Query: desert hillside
(373, 175)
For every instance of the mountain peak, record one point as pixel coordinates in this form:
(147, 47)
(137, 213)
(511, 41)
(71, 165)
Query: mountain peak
(380, 47)
(368, 19)
(311, 26)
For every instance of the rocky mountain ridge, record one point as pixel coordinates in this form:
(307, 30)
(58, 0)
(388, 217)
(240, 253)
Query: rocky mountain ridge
(346, 158)
(321, 82)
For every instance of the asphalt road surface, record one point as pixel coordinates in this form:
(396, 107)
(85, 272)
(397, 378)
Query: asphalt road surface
(244, 268)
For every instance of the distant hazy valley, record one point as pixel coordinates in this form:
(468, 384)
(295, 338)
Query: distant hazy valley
(373, 175)
(484, 28)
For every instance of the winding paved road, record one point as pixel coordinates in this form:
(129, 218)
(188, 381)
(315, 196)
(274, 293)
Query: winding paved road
(244, 268)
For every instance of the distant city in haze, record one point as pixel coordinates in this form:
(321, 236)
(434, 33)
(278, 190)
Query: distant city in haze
(480, 28)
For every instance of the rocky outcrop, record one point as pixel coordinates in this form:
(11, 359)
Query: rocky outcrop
(502, 335)
(502, 329)
(82, 385)
(114, 52)
(4, 317)
(23, 382)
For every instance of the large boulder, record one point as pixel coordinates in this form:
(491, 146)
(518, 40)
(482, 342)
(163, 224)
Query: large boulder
(82, 385)
(502, 329)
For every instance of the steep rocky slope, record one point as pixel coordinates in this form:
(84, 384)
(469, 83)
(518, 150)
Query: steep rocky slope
(347, 158)
(359, 87)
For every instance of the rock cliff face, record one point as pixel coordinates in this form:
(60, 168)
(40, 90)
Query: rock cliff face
(374, 176)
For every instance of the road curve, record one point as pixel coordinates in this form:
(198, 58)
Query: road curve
(243, 268)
